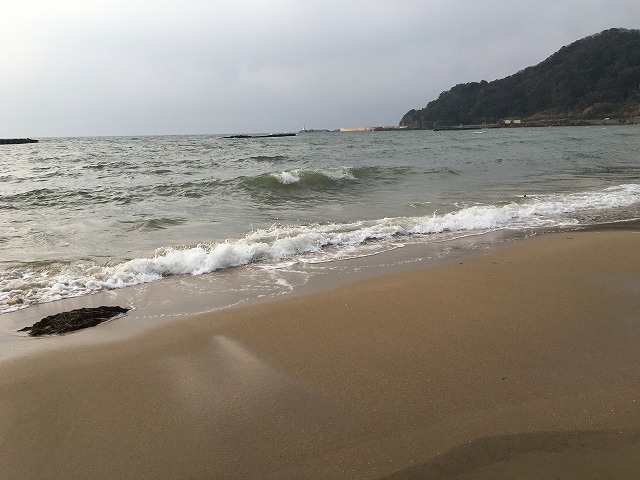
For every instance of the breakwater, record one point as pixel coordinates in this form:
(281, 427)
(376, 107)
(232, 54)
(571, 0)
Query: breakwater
(10, 141)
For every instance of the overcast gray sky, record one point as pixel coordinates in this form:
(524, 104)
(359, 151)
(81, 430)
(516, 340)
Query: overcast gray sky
(134, 67)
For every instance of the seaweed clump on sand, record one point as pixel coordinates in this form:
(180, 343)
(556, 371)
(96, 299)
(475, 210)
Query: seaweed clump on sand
(73, 320)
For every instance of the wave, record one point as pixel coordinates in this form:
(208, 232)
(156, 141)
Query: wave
(38, 197)
(47, 197)
(269, 158)
(301, 178)
(322, 179)
(276, 183)
(103, 195)
(611, 171)
(194, 189)
(22, 287)
(151, 224)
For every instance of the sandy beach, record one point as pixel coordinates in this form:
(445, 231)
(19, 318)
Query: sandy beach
(517, 363)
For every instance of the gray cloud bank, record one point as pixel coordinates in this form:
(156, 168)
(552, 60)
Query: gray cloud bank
(111, 67)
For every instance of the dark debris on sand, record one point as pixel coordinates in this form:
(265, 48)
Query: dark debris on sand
(73, 320)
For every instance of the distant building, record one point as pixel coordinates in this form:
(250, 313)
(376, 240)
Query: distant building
(373, 129)
(356, 129)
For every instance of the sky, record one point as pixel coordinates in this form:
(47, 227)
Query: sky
(161, 67)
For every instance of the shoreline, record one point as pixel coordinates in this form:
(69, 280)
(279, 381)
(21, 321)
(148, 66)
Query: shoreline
(155, 303)
(430, 372)
(170, 299)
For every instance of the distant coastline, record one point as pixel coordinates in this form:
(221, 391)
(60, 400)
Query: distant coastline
(357, 129)
(505, 123)
(547, 122)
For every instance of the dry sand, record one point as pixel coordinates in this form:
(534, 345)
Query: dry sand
(522, 363)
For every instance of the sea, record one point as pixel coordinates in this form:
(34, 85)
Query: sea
(80, 216)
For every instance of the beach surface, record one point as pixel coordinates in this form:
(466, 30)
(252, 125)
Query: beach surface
(517, 363)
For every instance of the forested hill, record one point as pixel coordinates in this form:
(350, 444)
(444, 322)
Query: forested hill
(592, 79)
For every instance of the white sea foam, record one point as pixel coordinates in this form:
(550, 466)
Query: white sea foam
(22, 288)
(341, 173)
(287, 178)
(337, 174)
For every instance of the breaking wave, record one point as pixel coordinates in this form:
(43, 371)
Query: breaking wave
(20, 288)
(325, 179)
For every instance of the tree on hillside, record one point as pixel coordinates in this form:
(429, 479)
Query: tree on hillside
(597, 75)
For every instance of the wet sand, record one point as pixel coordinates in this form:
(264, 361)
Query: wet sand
(520, 363)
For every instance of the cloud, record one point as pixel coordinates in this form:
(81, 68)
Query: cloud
(169, 66)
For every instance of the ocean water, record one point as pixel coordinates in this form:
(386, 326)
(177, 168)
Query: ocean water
(84, 215)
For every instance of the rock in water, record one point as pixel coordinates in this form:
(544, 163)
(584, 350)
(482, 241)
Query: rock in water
(73, 320)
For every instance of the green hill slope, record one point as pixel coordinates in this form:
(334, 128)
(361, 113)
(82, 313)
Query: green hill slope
(591, 79)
